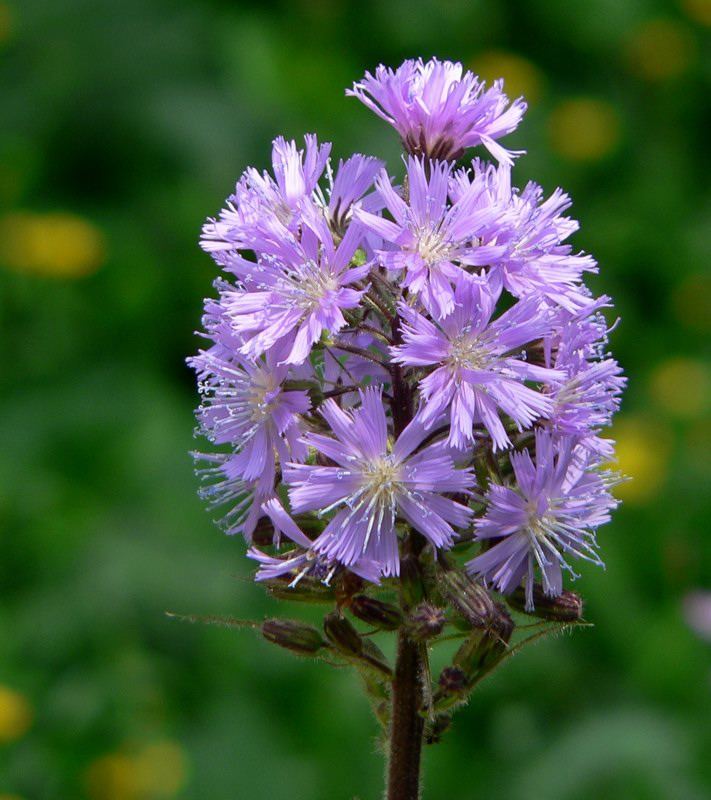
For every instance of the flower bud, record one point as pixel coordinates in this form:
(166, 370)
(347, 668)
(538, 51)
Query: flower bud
(484, 648)
(436, 728)
(375, 612)
(468, 597)
(342, 635)
(293, 635)
(567, 607)
(426, 621)
(454, 687)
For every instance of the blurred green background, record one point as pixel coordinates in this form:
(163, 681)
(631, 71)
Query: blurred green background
(122, 126)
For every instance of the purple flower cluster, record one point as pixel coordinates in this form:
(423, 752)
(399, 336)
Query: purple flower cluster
(414, 355)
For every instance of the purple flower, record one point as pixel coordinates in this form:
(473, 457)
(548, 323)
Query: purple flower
(373, 483)
(529, 233)
(259, 198)
(302, 560)
(295, 292)
(585, 400)
(439, 109)
(478, 371)
(353, 179)
(223, 485)
(245, 405)
(551, 512)
(431, 239)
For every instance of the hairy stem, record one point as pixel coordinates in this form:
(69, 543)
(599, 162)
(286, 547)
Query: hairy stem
(407, 724)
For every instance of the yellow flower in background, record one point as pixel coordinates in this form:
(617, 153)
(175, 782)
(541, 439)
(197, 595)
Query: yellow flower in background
(59, 244)
(10, 797)
(584, 129)
(112, 777)
(156, 772)
(660, 49)
(698, 10)
(161, 769)
(521, 76)
(643, 450)
(15, 715)
(682, 386)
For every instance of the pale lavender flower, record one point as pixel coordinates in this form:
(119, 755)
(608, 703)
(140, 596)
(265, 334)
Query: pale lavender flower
(585, 400)
(302, 561)
(551, 512)
(480, 369)
(439, 109)
(529, 233)
(223, 485)
(373, 483)
(244, 404)
(430, 239)
(259, 198)
(354, 178)
(296, 292)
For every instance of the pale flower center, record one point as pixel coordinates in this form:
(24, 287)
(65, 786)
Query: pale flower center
(382, 478)
(312, 286)
(467, 352)
(262, 397)
(431, 246)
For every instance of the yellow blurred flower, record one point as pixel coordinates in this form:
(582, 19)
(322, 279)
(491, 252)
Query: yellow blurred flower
(682, 386)
(157, 771)
(15, 715)
(112, 777)
(10, 797)
(692, 301)
(660, 49)
(584, 129)
(643, 449)
(161, 769)
(57, 244)
(521, 76)
(698, 10)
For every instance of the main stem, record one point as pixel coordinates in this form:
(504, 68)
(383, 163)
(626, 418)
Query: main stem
(407, 724)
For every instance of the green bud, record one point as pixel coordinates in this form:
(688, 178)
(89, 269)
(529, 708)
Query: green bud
(375, 612)
(567, 607)
(484, 648)
(453, 688)
(293, 635)
(342, 635)
(468, 597)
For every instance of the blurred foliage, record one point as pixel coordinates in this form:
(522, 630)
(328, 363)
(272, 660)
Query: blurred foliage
(123, 126)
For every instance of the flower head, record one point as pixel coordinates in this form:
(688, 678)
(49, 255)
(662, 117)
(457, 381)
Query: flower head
(552, 511)
(244, 404)
(296, 291)
(431, 239)
(588, 395)
(439, 109)
(260, 199)
(530, 232)
(302, 561)
(374, 482)
(479, 365)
